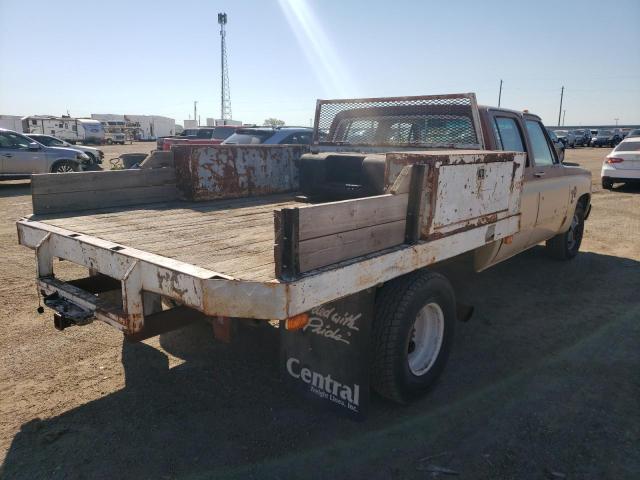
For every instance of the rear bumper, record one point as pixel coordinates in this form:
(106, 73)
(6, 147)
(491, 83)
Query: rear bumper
(620, 173)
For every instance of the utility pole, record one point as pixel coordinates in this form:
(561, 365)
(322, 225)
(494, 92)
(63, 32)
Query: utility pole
(195, 109)
(500, 93)
(616, 119)
(564, 112)
(560, 112)
(225, 94)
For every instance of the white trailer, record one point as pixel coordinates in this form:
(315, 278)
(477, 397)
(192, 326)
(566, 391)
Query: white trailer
(11, 122)
(139, 127)
(72, 130)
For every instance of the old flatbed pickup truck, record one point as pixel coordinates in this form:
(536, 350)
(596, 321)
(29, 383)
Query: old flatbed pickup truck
(333, 245)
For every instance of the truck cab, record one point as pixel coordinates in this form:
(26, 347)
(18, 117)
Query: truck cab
(552, 192)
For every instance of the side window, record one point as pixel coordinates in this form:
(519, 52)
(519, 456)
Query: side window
(541, 150)
(5, 141)
(14, 141)
(300, 138)
(508, 135)
(291, 139)
(304, 138)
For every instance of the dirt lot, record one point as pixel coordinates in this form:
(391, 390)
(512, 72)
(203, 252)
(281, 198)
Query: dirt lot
(543, 383)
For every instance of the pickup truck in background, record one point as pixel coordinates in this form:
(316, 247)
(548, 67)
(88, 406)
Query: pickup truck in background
(335, 243)
(203, 136)
(187, 132)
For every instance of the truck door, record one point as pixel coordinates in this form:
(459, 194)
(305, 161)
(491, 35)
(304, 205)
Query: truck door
(16, 156)
(548, 181)
(508, 135)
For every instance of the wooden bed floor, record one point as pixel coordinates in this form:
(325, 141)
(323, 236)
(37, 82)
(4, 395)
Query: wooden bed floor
(231, 237)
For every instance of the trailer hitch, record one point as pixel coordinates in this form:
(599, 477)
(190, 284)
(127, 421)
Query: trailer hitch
(67, 313)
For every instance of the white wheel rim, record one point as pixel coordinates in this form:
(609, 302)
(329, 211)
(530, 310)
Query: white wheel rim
(64, 169)
(426, 339)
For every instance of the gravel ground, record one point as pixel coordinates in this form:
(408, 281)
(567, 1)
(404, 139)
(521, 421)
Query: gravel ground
(543, 381)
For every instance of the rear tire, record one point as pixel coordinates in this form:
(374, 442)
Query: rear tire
(565, 246)
(64, 166)
(412, 334)
(607, 183)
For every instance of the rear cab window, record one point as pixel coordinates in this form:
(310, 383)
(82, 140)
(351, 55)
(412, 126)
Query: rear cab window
(543, 154)
(508, 135)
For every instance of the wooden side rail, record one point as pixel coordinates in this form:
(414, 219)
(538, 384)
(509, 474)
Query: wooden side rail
(314, 236)
(67, 192)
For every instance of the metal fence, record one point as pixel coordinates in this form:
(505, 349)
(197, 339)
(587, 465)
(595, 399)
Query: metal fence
(424, 121)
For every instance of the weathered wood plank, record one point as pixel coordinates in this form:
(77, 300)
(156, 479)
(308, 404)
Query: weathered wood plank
(322, 251)
(231, 236)
(107, 180)
(330, 218)
(69, 201)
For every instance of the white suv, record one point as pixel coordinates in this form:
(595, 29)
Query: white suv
(20, 157)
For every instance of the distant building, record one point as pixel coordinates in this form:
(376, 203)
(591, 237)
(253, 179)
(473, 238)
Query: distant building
(139, 127)
(11, 122)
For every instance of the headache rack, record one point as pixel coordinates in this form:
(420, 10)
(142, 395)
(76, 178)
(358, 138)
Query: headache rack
(425, 122)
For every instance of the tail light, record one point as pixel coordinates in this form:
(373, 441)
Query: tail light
(614, 160)
(297, 322)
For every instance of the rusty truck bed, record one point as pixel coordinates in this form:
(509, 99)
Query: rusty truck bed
(231, 237)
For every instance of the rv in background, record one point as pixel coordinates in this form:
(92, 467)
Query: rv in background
(69, 129)
(137, 127)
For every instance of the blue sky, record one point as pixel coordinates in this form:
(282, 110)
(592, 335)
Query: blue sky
(155, 57)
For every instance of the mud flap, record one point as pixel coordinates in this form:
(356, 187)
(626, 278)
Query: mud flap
(328, 360)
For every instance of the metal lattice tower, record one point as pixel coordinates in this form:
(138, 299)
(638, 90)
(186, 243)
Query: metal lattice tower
(225, 96)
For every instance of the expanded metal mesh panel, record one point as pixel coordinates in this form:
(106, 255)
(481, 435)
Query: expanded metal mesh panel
(429, 121)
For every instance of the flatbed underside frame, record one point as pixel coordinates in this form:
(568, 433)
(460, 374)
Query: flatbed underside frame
(215, 294)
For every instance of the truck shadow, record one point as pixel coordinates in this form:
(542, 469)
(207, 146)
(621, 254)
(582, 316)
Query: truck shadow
(225, 406)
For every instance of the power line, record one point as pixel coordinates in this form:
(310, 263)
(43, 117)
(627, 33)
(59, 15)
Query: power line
(560, 112)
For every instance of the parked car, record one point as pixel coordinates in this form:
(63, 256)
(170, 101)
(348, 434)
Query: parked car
(20, 157)
(582, 137)
(633, 133)
(622, 164)
(271, 136)
(94, 154)
(566, 137)
(605, 137)
(557, 144)
(203, 136)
